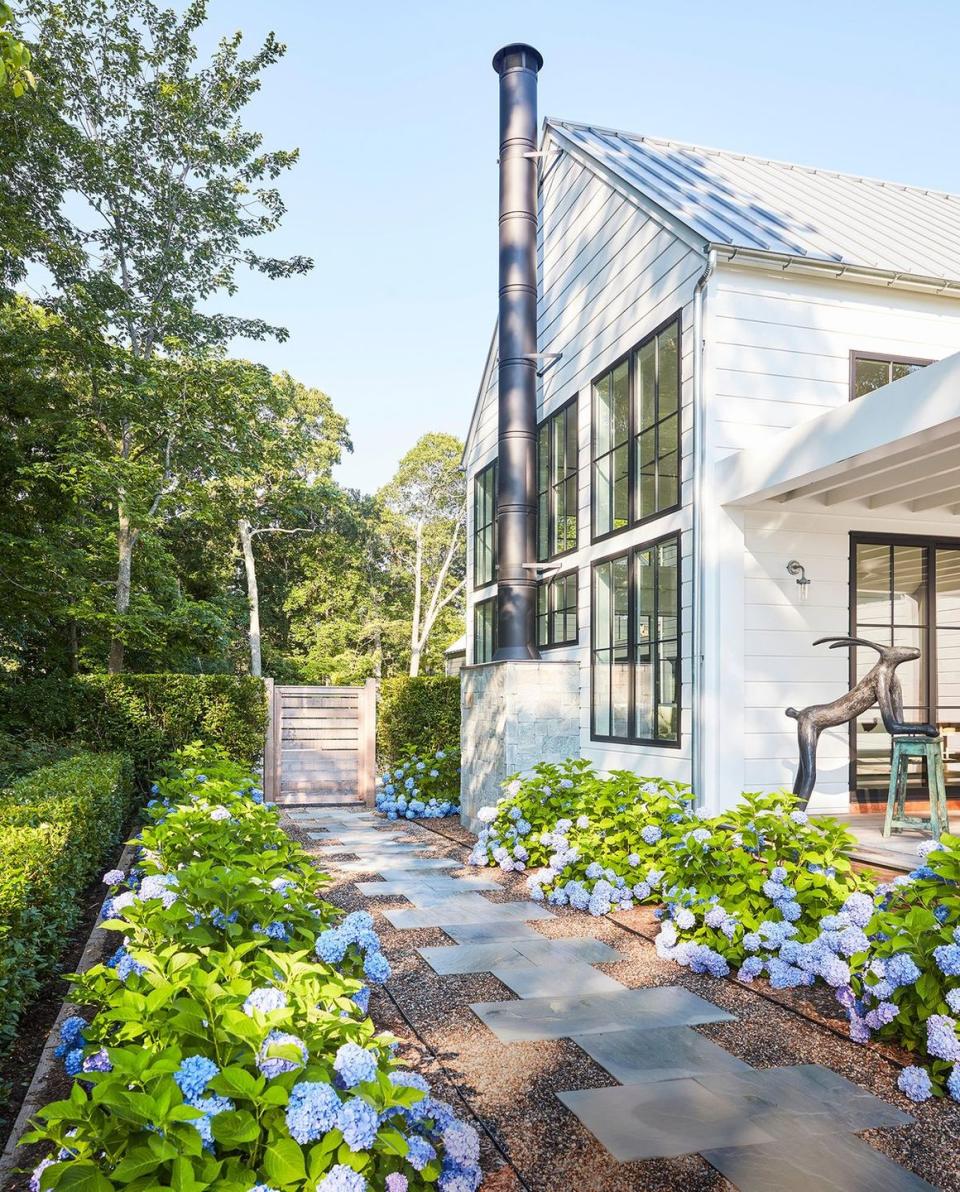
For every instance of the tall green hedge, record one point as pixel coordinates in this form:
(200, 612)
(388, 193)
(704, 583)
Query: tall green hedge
(417, 715)
(57, 827)
(147, 716)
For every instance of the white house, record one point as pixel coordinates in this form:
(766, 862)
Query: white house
(742, 364)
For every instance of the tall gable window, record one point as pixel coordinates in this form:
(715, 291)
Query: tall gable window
(636, 645)
(557, 483)
(636, 434)
(484, 630)
(869, 371)
(557, 611)
(485, 526)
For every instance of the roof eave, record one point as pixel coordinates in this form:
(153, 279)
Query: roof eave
(838, 270)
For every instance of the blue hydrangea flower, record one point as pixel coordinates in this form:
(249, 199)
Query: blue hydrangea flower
(953, 1083)
(859, 907)
(376, 968)
(73, 1062)
(113, 877)
(361, 999)
(354, 1064)
(752, 942)
(210, 1106)
(650, 834)
(265, 1000)
(751, 967)
(342, 1178)
(397, 1182)
(902, 970)
(99, 1061)
(915, 1083)
(193, 1076)
(312, 1110)
(420, 1153)
(38, 1171)
(358, 1123)
(273, 1065)
(684, 918)
(72, 1028)
(947, 957)
(942, 1038)
(461, 1143)
(953, 1000)
(331, 945)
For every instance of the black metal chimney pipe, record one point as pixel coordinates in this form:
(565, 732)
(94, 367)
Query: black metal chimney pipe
(517, 65)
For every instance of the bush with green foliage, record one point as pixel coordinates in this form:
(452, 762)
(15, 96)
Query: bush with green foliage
(147, 716)
(898, 950)
(421, 788)
(230, 1046)
(418, 715)
(579, 828)
(21, 755)
(56, 827)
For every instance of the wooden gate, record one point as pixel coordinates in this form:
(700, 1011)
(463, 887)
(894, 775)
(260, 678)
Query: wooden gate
(321, 744)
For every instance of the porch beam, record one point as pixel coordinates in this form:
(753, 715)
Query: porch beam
(861, 480)
(917, 481)
(945, 497)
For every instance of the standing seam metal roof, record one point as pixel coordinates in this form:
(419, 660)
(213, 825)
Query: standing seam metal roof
(769, 206)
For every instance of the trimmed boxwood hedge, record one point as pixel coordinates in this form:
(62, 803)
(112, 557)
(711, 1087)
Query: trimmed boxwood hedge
(57, 827)
(146, 716)
(418, 715)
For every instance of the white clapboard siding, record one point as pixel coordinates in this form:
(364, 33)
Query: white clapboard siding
(779, 346)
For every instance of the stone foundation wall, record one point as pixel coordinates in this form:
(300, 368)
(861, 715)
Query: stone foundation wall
(514, 714)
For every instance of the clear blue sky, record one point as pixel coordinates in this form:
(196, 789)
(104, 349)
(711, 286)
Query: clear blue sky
(394, 109)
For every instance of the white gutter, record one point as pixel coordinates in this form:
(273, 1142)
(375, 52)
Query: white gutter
(699, 473)
(864, 274)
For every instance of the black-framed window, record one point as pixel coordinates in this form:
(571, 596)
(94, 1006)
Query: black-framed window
(873, 370)
(557, 483)
(635, 659)
(636, 434)
(557, 611)
(485, 630)
(485, 526)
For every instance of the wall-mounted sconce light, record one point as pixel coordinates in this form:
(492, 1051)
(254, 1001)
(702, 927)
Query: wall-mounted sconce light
(795, 567)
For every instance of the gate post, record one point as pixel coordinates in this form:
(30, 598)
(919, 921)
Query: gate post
(270, 746)
(367, 742)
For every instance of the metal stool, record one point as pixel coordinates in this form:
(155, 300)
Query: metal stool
(928, 748)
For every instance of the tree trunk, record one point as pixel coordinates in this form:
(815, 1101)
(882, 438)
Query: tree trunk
(125, 543)
(253, 596)
(415, 639)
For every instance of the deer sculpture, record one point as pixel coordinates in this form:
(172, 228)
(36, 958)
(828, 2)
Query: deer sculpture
(879, 685)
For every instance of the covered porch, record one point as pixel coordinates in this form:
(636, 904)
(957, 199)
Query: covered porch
(866, 498)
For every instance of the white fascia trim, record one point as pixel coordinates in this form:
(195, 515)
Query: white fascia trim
(754, 258)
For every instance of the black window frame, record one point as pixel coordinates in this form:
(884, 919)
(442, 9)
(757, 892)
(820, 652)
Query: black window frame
(633, 432)
(569, 409)
(546, 585)
(880, 358)
(491, 604)
(490, 526)
(631, 555)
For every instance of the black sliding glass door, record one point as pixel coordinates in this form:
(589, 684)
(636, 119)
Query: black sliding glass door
(906, 591)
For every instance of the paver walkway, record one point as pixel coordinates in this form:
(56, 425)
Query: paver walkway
(680, 1093)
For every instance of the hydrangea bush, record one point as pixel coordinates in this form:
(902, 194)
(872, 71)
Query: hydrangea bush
(229, 1045)
(593, 842)
(749, 888)
(901, 947)
(421, 787)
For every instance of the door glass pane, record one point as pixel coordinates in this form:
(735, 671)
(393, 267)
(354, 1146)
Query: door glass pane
(909, 585)
(668, 470)
(621, 492)
(602, 416)
(873, 583)
(647, 473)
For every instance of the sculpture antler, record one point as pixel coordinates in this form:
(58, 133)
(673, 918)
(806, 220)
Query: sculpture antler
(849, 641)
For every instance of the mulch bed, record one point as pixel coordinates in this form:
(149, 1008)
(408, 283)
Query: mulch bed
(528, 1135)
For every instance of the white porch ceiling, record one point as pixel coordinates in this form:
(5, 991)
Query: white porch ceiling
(897, 448)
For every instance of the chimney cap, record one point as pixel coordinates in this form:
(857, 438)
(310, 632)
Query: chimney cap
(532, 57)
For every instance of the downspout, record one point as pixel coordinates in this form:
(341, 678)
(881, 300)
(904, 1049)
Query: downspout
(699, 579)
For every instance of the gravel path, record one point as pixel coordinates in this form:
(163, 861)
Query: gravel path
(530, 1138)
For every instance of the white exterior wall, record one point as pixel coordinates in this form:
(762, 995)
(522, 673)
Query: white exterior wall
(778, 353)
(609, 274)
